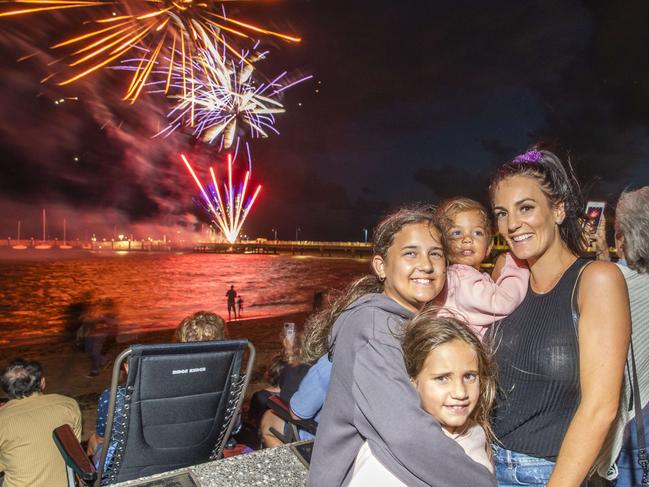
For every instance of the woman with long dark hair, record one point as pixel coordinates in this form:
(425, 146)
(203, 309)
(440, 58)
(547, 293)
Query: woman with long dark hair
(561, 353)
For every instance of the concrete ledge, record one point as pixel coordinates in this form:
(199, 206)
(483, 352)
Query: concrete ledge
(277, 467)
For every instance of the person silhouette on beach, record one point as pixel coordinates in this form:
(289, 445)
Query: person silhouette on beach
(99, 327)
(240, 305)
(232, 296)
(75, 314)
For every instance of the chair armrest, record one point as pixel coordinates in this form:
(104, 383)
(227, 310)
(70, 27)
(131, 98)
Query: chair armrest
(279, 407)
(73, 453)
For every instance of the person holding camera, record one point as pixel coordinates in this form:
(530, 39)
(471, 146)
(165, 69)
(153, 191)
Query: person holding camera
(291, 374)
(632, 247)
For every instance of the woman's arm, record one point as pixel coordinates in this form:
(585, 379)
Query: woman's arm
(97, 436)
(599, 239)
(604, 328)
(93, 442)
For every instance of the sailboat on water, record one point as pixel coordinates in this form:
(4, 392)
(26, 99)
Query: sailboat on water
(18, 245)
(43, 245)
(65, 245)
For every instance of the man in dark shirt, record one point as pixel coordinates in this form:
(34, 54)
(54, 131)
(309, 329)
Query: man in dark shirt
(231, 294)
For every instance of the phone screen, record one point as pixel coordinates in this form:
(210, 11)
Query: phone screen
(594, 212)
(289, 330)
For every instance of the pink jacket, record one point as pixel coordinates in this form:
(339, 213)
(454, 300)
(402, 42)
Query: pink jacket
(481, 301)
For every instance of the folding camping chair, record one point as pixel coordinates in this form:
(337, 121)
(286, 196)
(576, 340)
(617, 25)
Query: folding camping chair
(180, 405)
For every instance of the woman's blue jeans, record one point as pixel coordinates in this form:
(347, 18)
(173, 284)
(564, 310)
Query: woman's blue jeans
(514, 469)
(629, 471)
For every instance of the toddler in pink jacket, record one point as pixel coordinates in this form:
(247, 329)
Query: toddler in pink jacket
(473, 294)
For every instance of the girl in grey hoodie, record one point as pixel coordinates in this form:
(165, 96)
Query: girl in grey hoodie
(370, 396)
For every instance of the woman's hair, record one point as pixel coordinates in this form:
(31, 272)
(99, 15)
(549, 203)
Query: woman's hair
(632, 221)
(425, 332)
(277, 363)
(558, 183)
(315, 339)
(318, 326)
(449, 209)
(200, 327)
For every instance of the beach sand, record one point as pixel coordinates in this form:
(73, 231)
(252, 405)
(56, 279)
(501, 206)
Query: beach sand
(65, 368)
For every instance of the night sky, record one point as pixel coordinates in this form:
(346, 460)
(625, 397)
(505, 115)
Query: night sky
(415, 101)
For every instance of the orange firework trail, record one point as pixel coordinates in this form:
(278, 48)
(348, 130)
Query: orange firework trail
(153, 27)
(229, 212)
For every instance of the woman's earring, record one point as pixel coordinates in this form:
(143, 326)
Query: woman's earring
(381, 278)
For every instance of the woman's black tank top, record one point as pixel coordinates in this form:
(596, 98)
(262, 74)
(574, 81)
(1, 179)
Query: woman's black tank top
(537, 357)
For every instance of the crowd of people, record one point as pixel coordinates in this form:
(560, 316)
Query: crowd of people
(543, 397)
(28, 454)
(429, 372)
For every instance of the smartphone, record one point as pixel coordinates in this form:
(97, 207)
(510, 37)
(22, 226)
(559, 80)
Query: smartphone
(594, 211)
(289, 330)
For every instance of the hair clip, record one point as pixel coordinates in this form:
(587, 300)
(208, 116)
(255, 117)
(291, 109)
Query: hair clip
(530, 157)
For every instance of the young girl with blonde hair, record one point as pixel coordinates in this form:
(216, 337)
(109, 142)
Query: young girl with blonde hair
(473, 294)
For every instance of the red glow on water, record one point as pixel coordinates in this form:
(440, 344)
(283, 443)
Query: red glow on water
(156, 290)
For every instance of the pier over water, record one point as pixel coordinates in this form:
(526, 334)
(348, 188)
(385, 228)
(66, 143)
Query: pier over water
(263, 246)
(258, 246)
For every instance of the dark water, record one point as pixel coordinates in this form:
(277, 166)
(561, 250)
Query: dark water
(154, 291)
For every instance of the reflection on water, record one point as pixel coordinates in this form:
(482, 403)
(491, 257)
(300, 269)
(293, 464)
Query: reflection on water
(155, 291)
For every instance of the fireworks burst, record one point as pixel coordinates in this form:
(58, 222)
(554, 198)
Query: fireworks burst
(155, 27)
(217, 92)
(230, 212)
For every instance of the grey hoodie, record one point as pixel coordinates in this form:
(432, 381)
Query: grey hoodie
(371, 398)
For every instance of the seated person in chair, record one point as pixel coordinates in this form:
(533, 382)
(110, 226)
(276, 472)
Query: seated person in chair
(290, 377)
(308, 400)
(28, 455)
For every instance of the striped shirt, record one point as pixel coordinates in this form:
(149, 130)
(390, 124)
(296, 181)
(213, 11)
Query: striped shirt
(638, 285)
(28, 454)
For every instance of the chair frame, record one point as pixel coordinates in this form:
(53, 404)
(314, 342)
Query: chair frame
(283, 411)
(74, 455)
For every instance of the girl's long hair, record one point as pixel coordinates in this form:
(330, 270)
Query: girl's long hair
(425, 332)
(318, 326)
